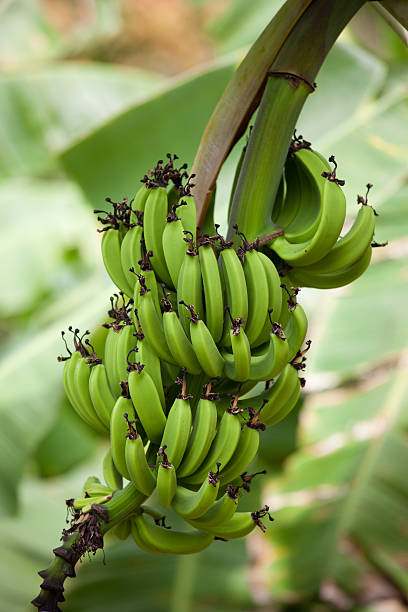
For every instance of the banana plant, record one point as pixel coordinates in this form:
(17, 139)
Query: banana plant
(201, 319)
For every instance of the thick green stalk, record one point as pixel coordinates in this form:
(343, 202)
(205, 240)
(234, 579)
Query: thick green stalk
(88, 536)
(239, 101)
(291, 79)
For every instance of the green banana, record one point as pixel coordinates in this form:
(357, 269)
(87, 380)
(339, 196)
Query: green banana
(308, 165)
(221, 511)
(188, 214)
(236, 295)
(169, 541)
(240, 525)
(189, 289)
(174, 245)
(131, 254)
(100, 393)
(273, 360)
(331, 219)
(138, 468)
(110, 360)
(237, 363)
(110, 473)
(340, 278)
(223, 446)
(202, 434)
(205, 349)
(276, 394)
(177, 430)
(119, 430)
(193, 504)
(110, 246)
(166, 483)
(152, 323)
(126, 342)
(258, 293)
(180, 346)
(146, 402)
(154, 222)
(212, 286)
(295, 331)
(244, 453)
(289, 404)
(350, 247)
(274, 298)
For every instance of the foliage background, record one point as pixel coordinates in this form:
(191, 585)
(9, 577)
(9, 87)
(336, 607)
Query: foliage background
(92, 92)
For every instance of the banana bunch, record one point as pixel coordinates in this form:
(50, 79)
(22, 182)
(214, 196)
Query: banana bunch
(311, 209)
(204, 346)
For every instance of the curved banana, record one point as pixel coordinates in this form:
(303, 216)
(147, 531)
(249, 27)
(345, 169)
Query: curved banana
(274, 298)
(100, 393)
(258, 294)
(174, 245)
(110, 246)
(238, 363)
(110, 473)
(146, 402)
(288, 405)
(331, 219)
(193, 504)
(110, 360)
(180, 346)
(169, 541)
(349, 248)
(335, 279)
(236, 294)
(166, 483)
(221, 511)
(131, 254)
(202, 434)
(68, 379)
(205, 349)
(308, 165)
(273, 360)
(244, 454)
(295, 331)
(138, 468)
(213, 294)
(223, 446)
(152, 366)
(80, 390)
(118, 432)
(276, 394)
(154, 222)
(177, 431)
(126, 342)
(240, 525)
(152, 324)
(188, 214)
(189, 289)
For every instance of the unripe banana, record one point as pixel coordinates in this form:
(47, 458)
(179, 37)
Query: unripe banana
(154, 222)
(193, 504)
(202, 434)
(166, 484)
(189, 288)
(111, 258)
(236, 295)
(213, 293)
(110, 473)
(177, 430)
(169, 541)
(205, 349)
(146, 402)
(174, 245)
(119, 430)
(138, 468)
(180, 346)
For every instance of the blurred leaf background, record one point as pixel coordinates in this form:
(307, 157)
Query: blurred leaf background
(92, 93)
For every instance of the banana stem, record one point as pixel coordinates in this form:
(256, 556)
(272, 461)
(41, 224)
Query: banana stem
(291, 80)
(91, 530)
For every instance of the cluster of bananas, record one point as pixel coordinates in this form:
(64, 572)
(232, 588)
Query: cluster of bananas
(204, 345)
(311, 209)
